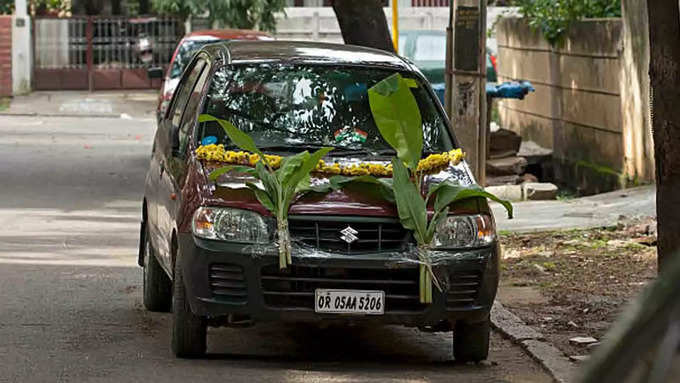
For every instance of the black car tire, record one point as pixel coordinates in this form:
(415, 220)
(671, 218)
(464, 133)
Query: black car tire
(157, 284)
(471, 341)
(189, 331)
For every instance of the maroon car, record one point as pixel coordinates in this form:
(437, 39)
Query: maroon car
(208, 247)
(187, 47)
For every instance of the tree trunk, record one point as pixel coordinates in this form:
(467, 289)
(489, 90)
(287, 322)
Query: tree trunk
(363, 22)
(664, 72)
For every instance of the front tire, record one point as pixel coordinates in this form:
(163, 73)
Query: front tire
(189, 331)
(157, 285)
(471, 341)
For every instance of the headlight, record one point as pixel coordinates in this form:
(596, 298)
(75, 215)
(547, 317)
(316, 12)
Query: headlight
(233, 225)
(460, 231)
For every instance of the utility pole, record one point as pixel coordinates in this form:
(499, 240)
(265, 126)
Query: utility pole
(22, 58)
(466, 80)
(395, 25)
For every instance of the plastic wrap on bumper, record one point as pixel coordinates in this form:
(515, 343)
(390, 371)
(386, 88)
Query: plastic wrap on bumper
(228, 278)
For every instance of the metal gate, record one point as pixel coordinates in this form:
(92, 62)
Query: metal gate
(98, 53)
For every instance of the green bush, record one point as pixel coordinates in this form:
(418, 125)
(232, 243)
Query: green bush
(553, 17)
(6, 7)
(242, 14)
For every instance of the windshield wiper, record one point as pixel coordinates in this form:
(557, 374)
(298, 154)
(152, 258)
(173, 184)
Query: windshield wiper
(292, 147)
(368, 152)
(337, 150)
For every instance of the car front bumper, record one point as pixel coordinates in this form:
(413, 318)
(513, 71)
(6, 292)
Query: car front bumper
(227, 279)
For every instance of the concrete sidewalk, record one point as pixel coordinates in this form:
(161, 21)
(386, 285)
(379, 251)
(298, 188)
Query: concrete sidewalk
(118, 104)
(594, 211)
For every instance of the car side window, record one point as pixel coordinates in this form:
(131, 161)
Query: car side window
(191, 110)
(184, 92)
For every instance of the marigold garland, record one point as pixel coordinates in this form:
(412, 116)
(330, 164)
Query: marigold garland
(430, 164)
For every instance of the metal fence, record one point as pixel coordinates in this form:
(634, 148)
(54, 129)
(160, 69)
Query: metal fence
(100, 52)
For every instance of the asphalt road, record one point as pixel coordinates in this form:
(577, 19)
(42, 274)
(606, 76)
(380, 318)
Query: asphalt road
(70, 291)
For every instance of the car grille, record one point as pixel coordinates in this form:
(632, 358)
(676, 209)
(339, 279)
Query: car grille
(463, 289)
(294, 287)
(373, 234)
(228, 283)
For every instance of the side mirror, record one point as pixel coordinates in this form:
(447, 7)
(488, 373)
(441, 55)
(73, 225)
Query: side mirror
(155, 72)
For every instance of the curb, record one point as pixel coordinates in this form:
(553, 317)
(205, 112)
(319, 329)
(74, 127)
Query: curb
(533, 342)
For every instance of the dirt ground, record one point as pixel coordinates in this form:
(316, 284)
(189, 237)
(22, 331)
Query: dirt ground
(574, 283)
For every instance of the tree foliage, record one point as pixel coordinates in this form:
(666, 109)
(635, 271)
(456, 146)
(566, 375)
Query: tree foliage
(553, 17)
(6, 7)
(242, 14)
(59, 8)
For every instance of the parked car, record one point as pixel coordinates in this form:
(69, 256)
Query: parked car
(187, 47)
(427, 49)
(207, 247)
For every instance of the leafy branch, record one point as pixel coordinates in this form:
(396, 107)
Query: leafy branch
(280, 186)
(553, 18)
(397, 116)
(242, 14)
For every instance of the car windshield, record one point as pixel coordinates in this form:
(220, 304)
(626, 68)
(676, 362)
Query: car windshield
(296, 107)
(185, 54)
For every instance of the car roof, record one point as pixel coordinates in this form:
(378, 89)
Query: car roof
(228, 34)
(304, 52)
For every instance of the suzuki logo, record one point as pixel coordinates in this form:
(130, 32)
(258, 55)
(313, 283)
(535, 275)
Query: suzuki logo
(349, 235)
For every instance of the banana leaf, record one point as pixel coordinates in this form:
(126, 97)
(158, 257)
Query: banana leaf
(397, 116)
(448, 192)
(280, 187)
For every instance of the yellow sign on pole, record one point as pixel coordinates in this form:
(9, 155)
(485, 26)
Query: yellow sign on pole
(395, 25)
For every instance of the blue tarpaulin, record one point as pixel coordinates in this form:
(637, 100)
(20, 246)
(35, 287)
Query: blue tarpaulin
(510, 89)
(514, 89)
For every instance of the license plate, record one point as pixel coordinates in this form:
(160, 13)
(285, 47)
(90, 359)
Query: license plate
(369, 302)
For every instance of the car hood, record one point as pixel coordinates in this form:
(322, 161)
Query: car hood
(230, 190)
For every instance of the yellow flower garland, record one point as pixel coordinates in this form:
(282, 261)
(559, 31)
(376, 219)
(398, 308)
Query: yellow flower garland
(430, 164)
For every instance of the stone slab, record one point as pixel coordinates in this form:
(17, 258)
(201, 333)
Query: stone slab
(506, 192)
(582, 340)
(539, 191)
(503, 180)
(578, 358)
(506, 166)
(504, 141)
